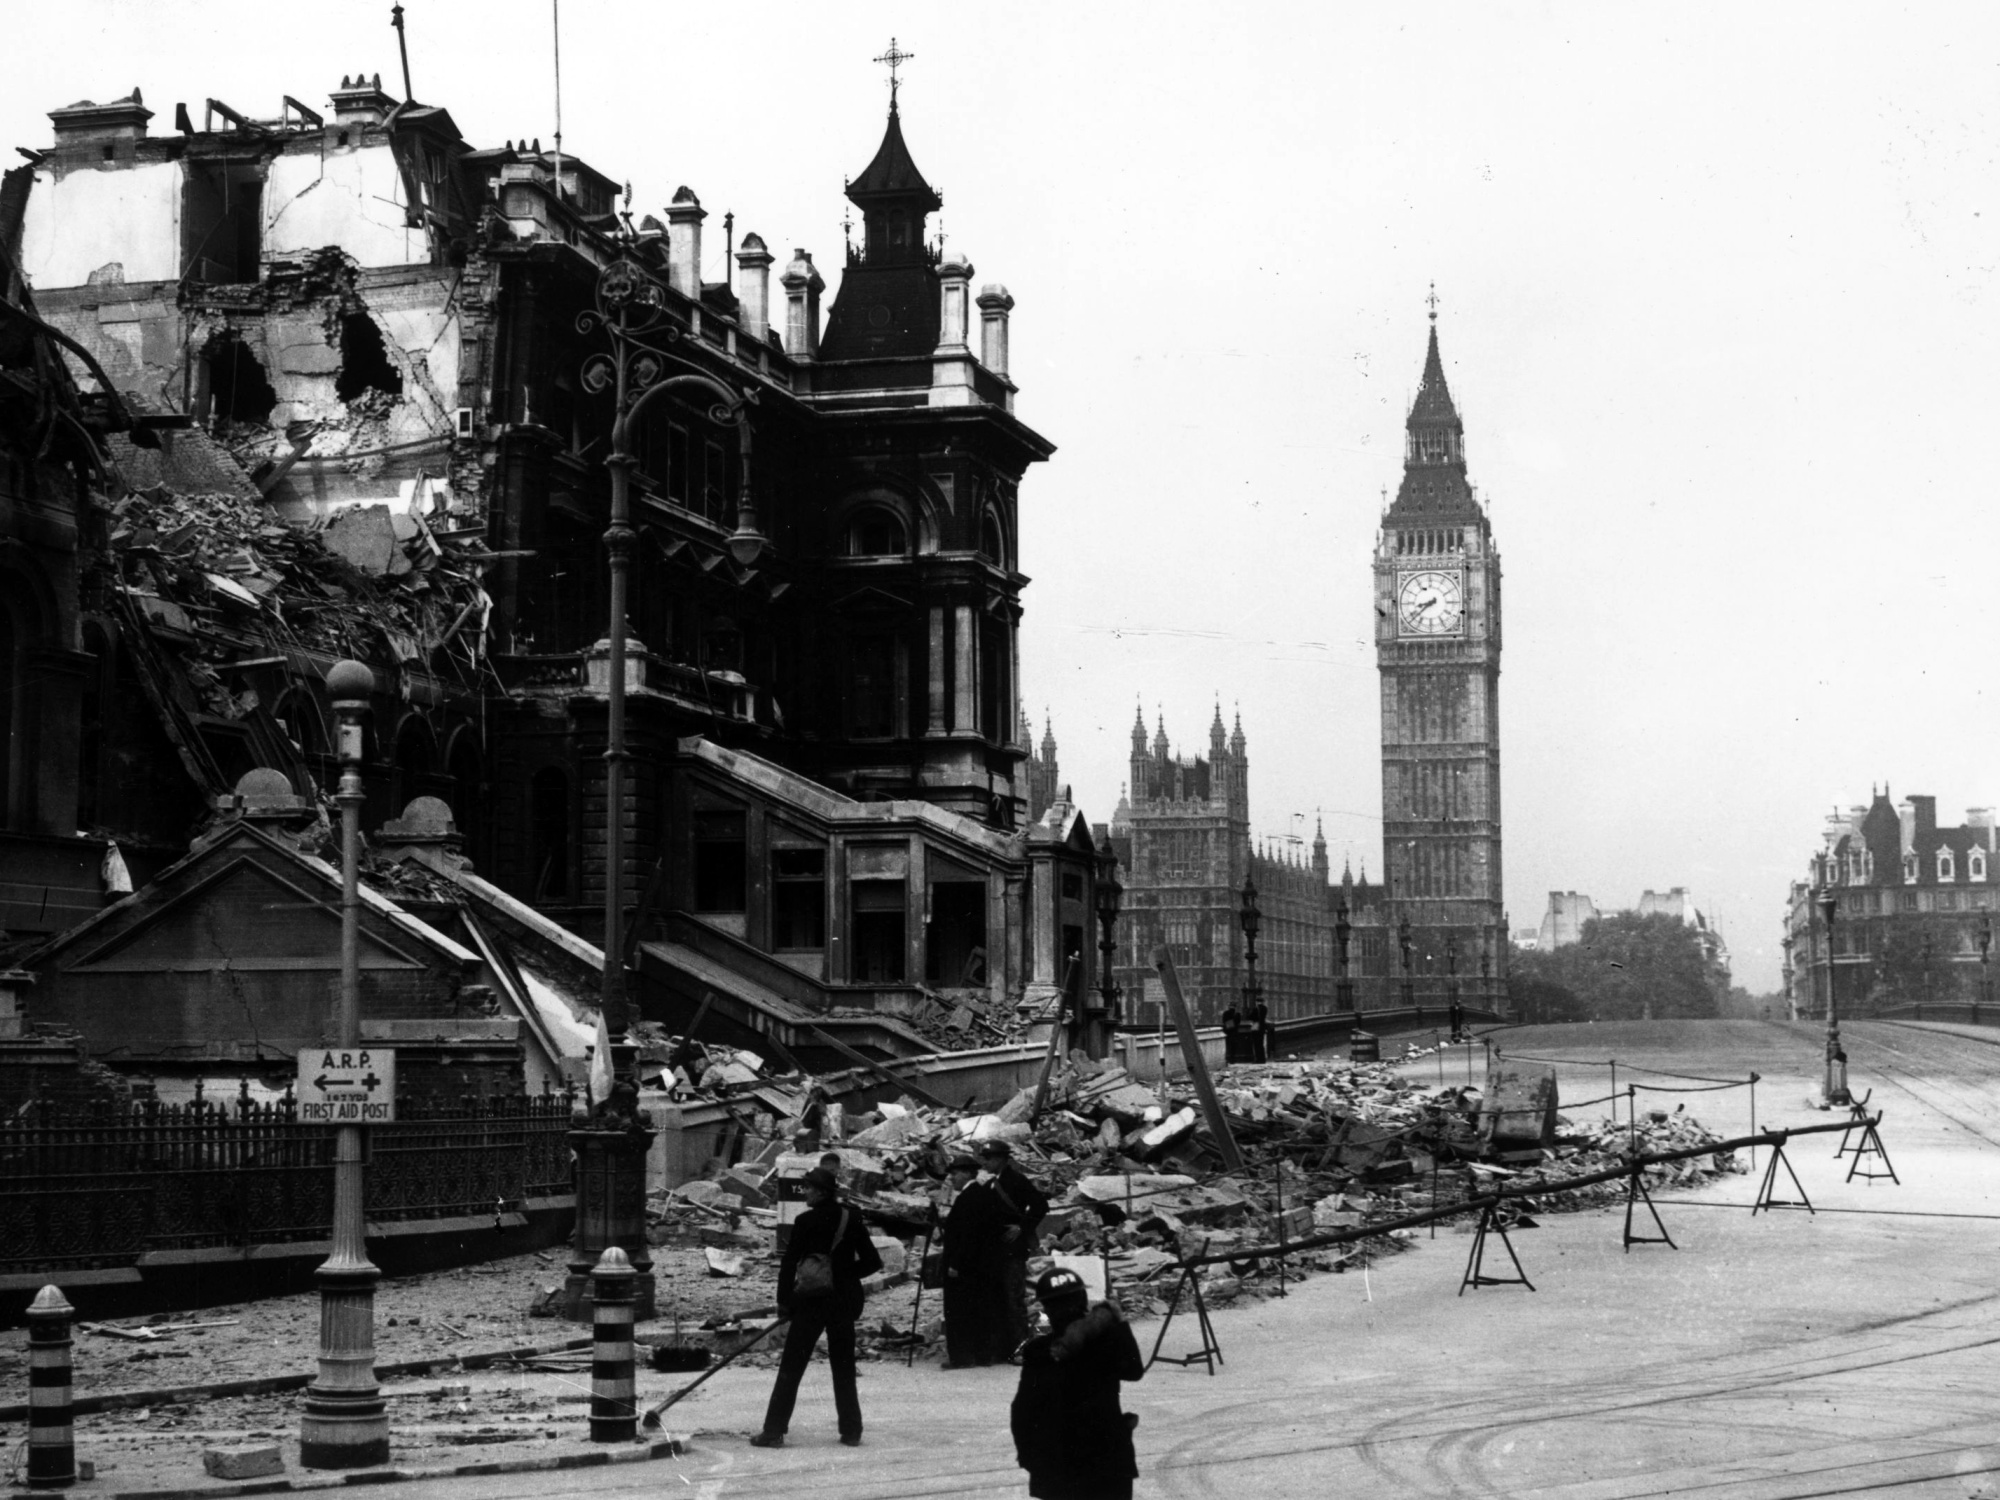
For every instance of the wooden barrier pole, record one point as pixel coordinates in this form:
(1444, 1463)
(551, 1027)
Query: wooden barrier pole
(1204, 1086)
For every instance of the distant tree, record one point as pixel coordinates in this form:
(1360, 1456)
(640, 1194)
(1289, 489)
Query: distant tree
(1625, 967)
(1536, 999)
(1914, 962)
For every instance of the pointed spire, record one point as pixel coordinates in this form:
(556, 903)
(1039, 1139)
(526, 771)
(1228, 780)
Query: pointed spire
(1160, 738)
(1236, 740)
(1048, 739)
(1139, 729)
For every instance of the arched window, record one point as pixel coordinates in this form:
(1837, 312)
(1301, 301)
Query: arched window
(876, 532)
(464, 766)
(1910, 868)
(1976, 865)
(416, 760)
(991, 544)
(1946, 866)
(548, 835)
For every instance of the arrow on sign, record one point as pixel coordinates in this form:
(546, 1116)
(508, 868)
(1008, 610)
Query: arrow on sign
(323, 1082)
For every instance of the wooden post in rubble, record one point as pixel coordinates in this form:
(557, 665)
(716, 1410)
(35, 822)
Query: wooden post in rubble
(1204, 1086)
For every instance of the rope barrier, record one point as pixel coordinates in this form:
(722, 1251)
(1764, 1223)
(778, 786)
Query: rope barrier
(1612, 1062)
(1658, 1088)
(1631, 1167)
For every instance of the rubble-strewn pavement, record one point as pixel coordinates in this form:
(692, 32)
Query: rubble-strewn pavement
(1327, 1144)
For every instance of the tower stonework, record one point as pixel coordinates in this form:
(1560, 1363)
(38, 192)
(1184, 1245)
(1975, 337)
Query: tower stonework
(1437, 645)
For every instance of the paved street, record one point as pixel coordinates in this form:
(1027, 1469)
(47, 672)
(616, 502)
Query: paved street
(1848, 1352)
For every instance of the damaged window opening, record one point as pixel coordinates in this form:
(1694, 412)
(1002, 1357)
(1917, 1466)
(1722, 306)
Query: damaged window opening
(222, 222)
(720, 862)
(955, 955)
(878, 928)
(364, 360)
(239, 391)
(798, 904)
(548, 835)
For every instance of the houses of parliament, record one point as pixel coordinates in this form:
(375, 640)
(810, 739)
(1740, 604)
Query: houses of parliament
(1434, 924)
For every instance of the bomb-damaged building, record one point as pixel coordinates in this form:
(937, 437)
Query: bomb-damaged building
(364, 367)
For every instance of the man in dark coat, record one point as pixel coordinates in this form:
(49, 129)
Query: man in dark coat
(975, 1267)
(1070, 1433)
(1260, 1031)
(827, 1227)
(1029, 1205)
(1232, 1035)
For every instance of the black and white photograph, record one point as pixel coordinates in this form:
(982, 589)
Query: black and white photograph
(1088, 752)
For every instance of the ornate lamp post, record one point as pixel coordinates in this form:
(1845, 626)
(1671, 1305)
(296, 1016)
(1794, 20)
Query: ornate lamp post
(1451, 986)
(1252, 919)
(1835, 1091)
(1110, 894)
(611, 1145)
(346, 1423)
(1409, 986)
(1342, 931)
(1985, 973)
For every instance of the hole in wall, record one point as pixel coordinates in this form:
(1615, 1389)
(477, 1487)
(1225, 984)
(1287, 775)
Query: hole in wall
(239, 389)
(364, 360)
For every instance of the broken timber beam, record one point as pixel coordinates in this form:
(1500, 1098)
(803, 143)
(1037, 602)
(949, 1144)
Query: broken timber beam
(1204, 1086)
(865, 1061)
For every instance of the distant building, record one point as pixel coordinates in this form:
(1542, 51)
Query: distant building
(1562, 923)
(1183, 840)
(1912, 903)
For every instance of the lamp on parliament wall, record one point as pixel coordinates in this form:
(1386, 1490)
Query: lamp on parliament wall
(1409, 985)
(1342, 931)
(1110, 895)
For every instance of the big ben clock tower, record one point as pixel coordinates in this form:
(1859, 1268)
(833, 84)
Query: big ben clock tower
(1437, 643)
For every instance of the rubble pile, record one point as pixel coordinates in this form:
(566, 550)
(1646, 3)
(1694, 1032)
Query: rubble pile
(1134, 1177)
(219, 573)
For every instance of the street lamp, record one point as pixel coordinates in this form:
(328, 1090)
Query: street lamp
(1253, 997)
(1342, 931)
(1835, 1090)
(1409, 987)
(1110, 893)
(346, 1422)
(1451, 986)
(1985, 952)
(611, 1146)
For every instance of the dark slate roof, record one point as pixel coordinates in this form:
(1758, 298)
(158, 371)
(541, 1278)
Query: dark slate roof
(1435, 489)
(892, 174)
(883, 311)
(1433, 406)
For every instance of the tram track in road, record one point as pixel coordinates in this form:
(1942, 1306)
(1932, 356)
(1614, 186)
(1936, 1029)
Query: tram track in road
(1932, 1096)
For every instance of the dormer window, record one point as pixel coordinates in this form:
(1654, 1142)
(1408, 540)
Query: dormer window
(1946, 869)
(876, 533)
(1976, 865)
(1910, 868)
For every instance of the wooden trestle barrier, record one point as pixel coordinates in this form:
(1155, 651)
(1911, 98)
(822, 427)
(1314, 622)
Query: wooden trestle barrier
(1488, 1205)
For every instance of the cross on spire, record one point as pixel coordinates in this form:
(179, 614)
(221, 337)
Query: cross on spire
(895, 57)
(1432, 302)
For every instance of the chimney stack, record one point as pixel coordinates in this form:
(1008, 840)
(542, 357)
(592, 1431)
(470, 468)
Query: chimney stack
(802, 285)
(754, 293)
(684, 216)
(995, 303)
(115, 126)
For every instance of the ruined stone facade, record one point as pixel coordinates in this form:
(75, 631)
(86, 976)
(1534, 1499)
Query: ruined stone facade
(369, 342)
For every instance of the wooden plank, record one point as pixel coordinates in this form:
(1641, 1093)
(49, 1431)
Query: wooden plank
(865, 1061)
(1204, 1086)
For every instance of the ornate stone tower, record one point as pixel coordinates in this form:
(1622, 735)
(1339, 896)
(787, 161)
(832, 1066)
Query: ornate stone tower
(1437, 643)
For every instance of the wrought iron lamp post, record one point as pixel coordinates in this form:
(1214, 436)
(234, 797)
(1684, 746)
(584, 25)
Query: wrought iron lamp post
(631, 310)
(1251, 920)
(1835, 1091)
(1451, 984)
(1791, 1000)
(1110, 894)
(346, 1422)
(1409, 984)
(1343, 930)
(1985, 973)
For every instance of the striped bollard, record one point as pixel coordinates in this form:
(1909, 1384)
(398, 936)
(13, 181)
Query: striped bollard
(51, 1437)
(614, 1412)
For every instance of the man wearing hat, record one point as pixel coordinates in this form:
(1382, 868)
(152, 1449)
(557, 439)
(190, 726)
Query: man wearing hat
(1028, 1205)
(1070, 1432)
(830, 1245)
(975, 1268)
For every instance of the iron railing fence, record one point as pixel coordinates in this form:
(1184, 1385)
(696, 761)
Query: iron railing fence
(101, 1186)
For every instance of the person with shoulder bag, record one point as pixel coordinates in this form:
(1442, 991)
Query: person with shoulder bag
(819, 1291)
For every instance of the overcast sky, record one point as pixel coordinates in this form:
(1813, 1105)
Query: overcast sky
(1715, 301)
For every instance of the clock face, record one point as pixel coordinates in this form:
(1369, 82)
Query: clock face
(1431, 603)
